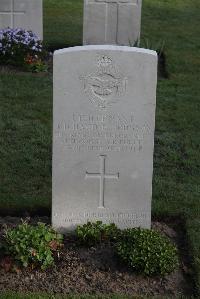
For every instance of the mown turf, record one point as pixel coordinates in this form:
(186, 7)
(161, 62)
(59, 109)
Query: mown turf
(25, 150)
(26, 117)
(176, 189)
(40, 296)
(63, 23)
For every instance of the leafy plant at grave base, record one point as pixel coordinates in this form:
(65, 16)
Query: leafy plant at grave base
(35, 64)
(147, 251)
(91, 234)
(135, 43)
(32, 245)
(158, 47)
(147, 44)
(19, 47)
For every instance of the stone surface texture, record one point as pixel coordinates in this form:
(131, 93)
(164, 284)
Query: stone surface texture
(113, 22)
(103, 135)
(25, 14)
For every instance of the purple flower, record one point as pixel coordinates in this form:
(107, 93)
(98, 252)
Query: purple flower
(18, 38)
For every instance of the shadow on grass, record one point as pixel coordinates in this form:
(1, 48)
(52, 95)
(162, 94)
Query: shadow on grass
(178, 223)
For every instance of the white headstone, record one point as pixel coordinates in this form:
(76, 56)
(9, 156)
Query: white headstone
(25, 14)
(104, 111)
(114, 22)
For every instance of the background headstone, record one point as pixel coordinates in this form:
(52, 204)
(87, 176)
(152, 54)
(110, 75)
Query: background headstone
(104, 111)
(111, 22)
(25, 14)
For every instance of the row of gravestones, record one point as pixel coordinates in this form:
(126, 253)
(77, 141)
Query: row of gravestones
(103, 125)
(105, 21)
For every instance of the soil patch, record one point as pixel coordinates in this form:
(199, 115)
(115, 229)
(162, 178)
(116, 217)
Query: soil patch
(97, 270)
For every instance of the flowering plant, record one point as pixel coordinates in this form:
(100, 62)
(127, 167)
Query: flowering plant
(35, 64)
(19, 47)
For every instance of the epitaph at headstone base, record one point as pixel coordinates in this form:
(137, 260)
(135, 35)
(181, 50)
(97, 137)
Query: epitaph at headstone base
(104, 111)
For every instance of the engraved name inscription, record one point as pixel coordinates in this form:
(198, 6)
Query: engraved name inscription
(102, 132)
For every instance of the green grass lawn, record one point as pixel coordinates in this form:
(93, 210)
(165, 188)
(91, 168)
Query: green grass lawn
(9, 295)
(40, 296)
(26, 117)
(35, 296)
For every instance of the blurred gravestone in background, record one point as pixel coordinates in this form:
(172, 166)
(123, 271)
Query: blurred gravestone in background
(25, 14)
(111, 22)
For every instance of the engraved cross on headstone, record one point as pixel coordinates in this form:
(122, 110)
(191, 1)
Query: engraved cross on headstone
(12, 13)
(102, 175)
(110, 5)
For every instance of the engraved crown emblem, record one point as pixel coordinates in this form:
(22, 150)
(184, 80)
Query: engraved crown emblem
(104, 61)
(105, 86)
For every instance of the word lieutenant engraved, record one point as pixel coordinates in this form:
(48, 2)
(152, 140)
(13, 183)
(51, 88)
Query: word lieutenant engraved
(102, 176)
(106, 85)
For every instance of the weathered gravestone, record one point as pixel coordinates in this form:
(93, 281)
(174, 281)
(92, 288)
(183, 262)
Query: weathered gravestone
(104, 110)
(111, 22)
(25, 14)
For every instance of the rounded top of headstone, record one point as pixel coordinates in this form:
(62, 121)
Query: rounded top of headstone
(105, 47)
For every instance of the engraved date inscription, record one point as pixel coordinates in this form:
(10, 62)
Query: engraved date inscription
(102, 132)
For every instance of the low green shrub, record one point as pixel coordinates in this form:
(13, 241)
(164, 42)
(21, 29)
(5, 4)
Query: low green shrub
(147, 251)
(32, 245)
(91, 234)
